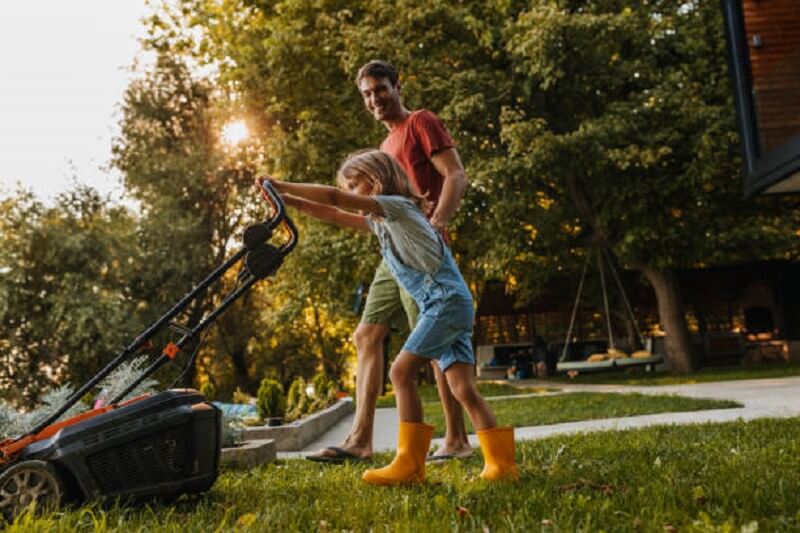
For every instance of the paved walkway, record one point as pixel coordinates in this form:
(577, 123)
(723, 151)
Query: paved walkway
(761, 398)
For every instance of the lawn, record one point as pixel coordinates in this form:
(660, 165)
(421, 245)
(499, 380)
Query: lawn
(740, 476)
(554, 409)
(705, 375)
(428, 392)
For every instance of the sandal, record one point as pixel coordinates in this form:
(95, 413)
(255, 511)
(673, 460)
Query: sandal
(336, 456)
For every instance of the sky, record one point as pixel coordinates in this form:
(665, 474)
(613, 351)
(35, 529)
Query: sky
(63, 72)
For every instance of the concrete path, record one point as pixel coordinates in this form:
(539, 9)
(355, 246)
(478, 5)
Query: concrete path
(761, 398)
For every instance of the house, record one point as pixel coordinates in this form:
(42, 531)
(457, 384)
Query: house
(736, 314)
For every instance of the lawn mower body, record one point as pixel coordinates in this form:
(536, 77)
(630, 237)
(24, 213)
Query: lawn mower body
(161, 445)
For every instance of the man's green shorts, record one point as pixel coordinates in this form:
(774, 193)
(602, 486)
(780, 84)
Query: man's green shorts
(388, 303)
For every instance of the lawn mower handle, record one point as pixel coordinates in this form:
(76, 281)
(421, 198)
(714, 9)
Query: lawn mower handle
(278, 206)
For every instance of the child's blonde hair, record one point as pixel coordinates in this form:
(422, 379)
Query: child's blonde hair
(383, 172)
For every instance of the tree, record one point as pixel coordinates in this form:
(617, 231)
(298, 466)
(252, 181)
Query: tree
(65, 304)
(583, 125)
(625, 124)
(193, 190)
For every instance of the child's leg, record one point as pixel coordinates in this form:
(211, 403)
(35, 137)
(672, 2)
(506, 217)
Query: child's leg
(414, 438)
(497, 444)
(403, 374)
(461, 378)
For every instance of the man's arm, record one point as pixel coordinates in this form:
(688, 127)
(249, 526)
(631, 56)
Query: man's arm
(448, 164)
(327, 213)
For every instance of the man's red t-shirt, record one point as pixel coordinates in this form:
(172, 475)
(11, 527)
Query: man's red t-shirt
(413, 143)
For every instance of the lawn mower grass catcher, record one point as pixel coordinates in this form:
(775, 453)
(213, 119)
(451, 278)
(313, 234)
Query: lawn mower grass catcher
(152, 446)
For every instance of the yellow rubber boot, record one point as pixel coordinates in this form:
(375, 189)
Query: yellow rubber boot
(497, 445)
(408, 465)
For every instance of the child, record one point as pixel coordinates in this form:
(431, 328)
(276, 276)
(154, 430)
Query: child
(377, 196)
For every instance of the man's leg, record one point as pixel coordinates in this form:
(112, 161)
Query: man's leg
(382, 310)
(456, 443)
(369, 378)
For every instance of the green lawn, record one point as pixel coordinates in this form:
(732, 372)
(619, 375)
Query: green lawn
(705, 375)
(705, 478)
(428, 392)
(538, 411)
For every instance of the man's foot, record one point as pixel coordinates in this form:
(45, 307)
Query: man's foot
(336, 455)
(446, 453)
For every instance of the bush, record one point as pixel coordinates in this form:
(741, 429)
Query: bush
(321, 384)
(232, 432)
(239, 396)
(14, 423)
(271, 402)
(324, 393)
(208, 390)
(296, 399)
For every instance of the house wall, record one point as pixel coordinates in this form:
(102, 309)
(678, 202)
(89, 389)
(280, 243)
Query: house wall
(773, 36)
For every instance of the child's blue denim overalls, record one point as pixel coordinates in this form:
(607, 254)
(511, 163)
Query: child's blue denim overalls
(444, 327)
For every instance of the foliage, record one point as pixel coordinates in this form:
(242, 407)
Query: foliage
(208, 390)
(582, 124)
(707, 477)
(14, 422)
(271, 401)
(191, 188)
(124, 375)
(241, 397)
(232, 432)
(325, 393)
(297, 401)
(65, 299)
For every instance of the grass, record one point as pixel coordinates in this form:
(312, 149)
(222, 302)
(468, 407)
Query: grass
(705, 375)
(429, 394)
(538, 411)
(739, 476)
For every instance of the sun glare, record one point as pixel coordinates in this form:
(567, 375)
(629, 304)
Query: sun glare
(235, 132)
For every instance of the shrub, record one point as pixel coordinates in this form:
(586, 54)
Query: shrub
(14, 423)
(232, 432)
(321, 384)
(271, 402)
(324, 393)
(296, 399)
(208, 390)
(239, 396)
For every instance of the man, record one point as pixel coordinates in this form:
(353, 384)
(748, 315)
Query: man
(423, 147)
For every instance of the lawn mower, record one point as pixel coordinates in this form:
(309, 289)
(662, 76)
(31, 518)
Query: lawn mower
(157, 445)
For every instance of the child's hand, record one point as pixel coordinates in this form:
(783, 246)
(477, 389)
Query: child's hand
(260, 185)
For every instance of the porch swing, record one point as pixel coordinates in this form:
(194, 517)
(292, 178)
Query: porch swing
(613, 357)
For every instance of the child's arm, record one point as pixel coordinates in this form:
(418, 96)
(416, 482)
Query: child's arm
(331, 196)
(327, 213)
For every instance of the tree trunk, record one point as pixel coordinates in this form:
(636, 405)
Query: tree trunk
(672, 317)
(240, 371)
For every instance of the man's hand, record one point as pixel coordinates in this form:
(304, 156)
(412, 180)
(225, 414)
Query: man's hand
(439, 223)
(448, 164)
